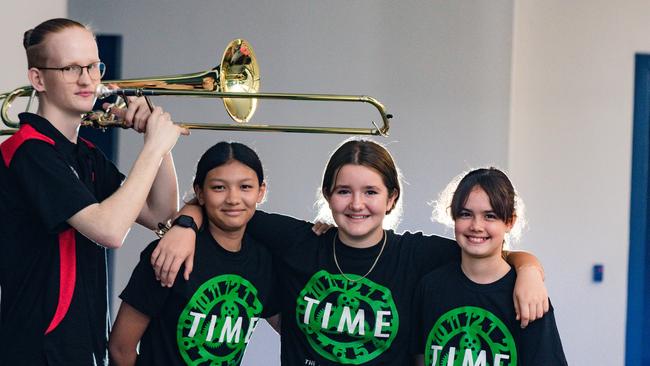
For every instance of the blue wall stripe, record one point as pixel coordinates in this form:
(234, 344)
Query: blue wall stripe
(638, 324)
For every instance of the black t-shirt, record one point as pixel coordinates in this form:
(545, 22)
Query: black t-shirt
(328, 319)
(458, 318)
(209, 319)
(54, 294)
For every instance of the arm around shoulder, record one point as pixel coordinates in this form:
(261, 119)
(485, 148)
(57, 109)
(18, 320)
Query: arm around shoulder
(530, 295)
(520, 259)
(177, 247)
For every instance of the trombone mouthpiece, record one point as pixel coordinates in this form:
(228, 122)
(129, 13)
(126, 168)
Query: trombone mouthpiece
(103, 91)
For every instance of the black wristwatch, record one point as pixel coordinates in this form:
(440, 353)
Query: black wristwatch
(186, 221)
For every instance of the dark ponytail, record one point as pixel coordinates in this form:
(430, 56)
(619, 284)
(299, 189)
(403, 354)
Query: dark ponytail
(224, 152)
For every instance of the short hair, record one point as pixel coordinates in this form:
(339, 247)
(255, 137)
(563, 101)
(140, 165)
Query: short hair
(34, 39)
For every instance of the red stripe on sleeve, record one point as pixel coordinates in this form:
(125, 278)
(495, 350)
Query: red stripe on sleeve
(26, 132)
(67, 278)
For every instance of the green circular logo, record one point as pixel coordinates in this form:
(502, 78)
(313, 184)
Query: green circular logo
(347, 322)
(470, 336)
(218, 321)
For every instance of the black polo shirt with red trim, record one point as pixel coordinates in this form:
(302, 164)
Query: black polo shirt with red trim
(54, 288)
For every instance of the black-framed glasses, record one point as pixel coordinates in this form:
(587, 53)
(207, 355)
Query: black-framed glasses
(72, 73)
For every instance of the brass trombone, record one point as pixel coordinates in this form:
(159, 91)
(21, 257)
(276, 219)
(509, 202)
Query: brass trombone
(6, 132)
(236, 81)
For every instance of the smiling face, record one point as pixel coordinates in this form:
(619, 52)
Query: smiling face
(359, 201)
(479, 232)
(230, 195)
(59, 98)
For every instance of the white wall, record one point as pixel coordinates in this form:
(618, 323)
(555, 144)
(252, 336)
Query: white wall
(14, 21)
(570, 152)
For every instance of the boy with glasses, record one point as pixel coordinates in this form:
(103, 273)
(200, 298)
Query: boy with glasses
(66, 203)
(72, 73)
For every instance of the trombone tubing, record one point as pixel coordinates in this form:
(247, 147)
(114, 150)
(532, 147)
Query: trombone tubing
(310, 97)
(383, 131)
(7, 99)
(273, 128)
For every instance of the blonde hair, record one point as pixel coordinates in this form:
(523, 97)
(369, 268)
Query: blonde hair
(34, 39)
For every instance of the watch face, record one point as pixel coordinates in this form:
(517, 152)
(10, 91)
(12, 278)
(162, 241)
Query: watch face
(185, 221)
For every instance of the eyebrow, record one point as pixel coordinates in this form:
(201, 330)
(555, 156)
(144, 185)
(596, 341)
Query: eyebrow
(484, 212)
(79, 64)
(217, 180)
(348, 186)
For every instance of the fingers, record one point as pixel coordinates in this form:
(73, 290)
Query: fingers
(530, 295)
(540, 311)
(156, 116)
(524, 316)
(175, 265)
(164, 273)
(118, 112)
(189, 266)
(317, 228)
(320, 228)
(154, 256)
(517, 311)
(129, 115)
(535, 309)
(158, 263)
(165, 116)
(136, 113)
(185, 131)
(141, 115)
(161, 133)
(528, 313)
(174, 249)
(547, 305)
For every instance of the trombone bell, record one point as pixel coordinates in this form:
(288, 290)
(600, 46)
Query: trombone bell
(239, 73)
